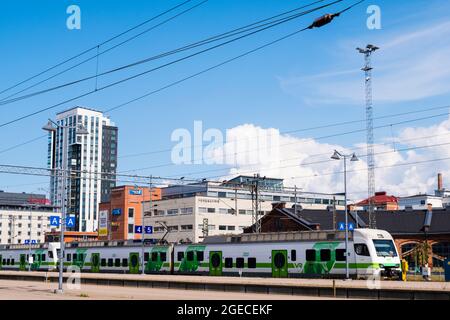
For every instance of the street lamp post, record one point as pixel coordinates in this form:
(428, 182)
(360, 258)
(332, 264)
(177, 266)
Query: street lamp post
(63, 171)
(339, 156)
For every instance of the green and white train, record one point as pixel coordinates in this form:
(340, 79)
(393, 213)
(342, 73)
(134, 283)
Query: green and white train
(287, 254)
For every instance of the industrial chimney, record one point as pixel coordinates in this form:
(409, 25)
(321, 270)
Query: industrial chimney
(440, 186)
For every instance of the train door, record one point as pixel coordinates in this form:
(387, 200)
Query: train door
(95, 262)
(362, 260)
(215, 263)
(279, 264)
(22, 265)
(134, 263)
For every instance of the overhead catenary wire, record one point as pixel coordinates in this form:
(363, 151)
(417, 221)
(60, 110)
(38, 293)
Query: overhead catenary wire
(258, 28)
(161, 88)
(94, 47)
(4, 101)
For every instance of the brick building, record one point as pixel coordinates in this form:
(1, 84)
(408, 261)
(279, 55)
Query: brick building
(120, 215)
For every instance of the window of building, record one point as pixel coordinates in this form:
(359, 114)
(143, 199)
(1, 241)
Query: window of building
(223, 210)
(222, 227)
(187, 210)
(186, 227)
(325, 255)
(202, 210)
(310, 255)
(241, 211)
(228, 262)
(222, 194)
(240, 263)
(211, 210)
(130, 228)
(130, 212)
(251, 262)
(172, 212)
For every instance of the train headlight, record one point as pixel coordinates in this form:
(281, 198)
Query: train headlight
(382, 266)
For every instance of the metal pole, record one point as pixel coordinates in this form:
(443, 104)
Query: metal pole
(347, 276)
(63, 219)
(29, 244)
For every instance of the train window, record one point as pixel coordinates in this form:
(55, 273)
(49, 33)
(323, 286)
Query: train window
(310, 255)
(75, 257)
(4, 261)
(69, 257)
(34, 257)
(154, 256)
(50, 254)
(240, 263)
(228, 262)
(251, 262)
(340, 254)
(8, 261)
(12, 262)
(117, 262)
(293, 255)
(125, 262)
(43, 257)
(325, 255)
(146, 256)
(180, 255)
(163, 256)
(110, 262)
(190, 256)
(361, 249)
(103, 263)
(200, 256)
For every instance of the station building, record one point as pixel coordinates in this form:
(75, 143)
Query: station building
(188, 213)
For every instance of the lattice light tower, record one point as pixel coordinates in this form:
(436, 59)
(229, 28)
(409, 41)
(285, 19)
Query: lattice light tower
(369, 125)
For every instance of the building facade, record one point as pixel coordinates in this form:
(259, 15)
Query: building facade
(189, 212)
(419, 202)
(93, 159)
(123, 212)
(24, 217)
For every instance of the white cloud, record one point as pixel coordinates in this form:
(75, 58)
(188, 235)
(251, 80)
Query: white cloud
(306, 163)
(410, 66)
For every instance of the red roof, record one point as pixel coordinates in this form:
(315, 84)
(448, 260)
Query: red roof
(379, 198)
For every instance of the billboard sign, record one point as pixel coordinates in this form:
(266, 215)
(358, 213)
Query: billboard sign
(135, 192)
(103, 223)
(117, 212)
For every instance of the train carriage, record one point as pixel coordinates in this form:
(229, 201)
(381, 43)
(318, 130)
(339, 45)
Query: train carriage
(309, 254)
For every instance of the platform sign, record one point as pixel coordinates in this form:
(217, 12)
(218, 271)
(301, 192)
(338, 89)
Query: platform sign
(33, 241)
(138, 229)
(148, 229)
(54, 221)
(70, 222)
(341, 226)
(27, 241)
(351, 226)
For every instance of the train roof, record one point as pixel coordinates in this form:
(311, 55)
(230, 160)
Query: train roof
(322, 235)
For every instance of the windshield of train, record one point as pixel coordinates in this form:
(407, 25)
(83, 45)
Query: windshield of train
(385, 248)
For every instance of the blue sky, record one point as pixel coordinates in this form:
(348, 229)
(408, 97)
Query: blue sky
(308, 80)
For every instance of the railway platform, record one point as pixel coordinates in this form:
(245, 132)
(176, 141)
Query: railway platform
(354, 289)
